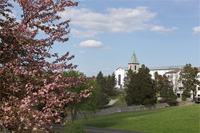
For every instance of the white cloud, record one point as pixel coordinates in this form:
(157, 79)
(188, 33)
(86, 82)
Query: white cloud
(82, 52)
(83, 34)
(91, 44)
(196, 30)
(116, 20)
(162, 29)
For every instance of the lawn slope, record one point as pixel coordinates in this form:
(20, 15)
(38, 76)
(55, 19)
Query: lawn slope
(183, 119)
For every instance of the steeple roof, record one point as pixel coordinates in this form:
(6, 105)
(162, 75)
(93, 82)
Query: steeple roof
(133, 59)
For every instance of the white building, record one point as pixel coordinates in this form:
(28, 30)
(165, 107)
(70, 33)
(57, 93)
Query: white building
(172, 72)
(163, 70)
(174, 77)
(120, 72)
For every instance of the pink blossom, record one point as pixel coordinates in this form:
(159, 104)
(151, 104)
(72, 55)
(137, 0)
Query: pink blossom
(29, 79)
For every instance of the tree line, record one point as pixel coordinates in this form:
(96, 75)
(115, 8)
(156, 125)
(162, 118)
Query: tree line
(142, 89)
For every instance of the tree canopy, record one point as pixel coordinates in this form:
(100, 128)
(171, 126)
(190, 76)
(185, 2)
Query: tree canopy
(140, 87)
(167, 92)
(32, 89)
(83, 104)
(188, 77)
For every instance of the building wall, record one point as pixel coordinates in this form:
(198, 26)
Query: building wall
(198, 86)
(133, 67)
(159, 71)
(174, 77)
(120, 73)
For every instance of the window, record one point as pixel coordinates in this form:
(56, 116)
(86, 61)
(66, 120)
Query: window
(119, 79)
(198, 99)
(198, 88)
(135, 67)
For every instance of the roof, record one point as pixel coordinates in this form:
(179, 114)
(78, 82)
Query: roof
(174, 71)
(165, 68)
(123, 68)
(133, 59)
(179, 69)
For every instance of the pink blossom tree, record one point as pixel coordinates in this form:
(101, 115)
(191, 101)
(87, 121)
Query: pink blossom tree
(32, 89)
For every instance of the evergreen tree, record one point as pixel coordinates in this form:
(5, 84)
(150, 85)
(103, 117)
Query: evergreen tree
(167, 93)
(110, 85)
(140, 88)
(188, 78)
(102, 98)
(127, 79)
(101, 81)
(158, 82)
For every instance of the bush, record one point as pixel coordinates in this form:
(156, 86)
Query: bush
(75, 128)
(185, 95)
(184, 98)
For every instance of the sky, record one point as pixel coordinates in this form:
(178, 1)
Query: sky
(105, 33)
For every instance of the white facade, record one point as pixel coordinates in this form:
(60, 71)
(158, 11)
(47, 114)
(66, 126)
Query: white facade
(174, 77)
(198, 86)
(120, 73)
(172, 72)
(162, 70)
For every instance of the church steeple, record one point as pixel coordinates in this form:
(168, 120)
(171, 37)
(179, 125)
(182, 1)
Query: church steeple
(133, 59)
(133, 63)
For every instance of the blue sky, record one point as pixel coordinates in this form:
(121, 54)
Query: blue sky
(105, 33)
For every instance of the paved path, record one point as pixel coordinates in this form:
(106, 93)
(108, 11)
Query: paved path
(111, 102)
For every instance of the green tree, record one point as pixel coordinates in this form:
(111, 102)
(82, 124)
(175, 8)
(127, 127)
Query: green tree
(102, 98)
(167, 93)
(101, 81)
(127, 79)
(110, 85)
(87, 104)
(140, 88)
(158, 82)
(188, 78)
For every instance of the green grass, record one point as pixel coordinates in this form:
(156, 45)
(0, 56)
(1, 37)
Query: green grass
(183, 119)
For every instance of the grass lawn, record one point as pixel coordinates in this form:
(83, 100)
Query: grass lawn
(182, 119)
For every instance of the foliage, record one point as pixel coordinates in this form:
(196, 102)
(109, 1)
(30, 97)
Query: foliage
(188, 78)
(158, 82)
(167, 93)
(75, 128)
(102, 98)
(107, 83)
(83, 104)
(127, 78)
(121, 97)
(140, 87)
(185, 95)
(32, 90)
(182, 119)
(110, 85)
